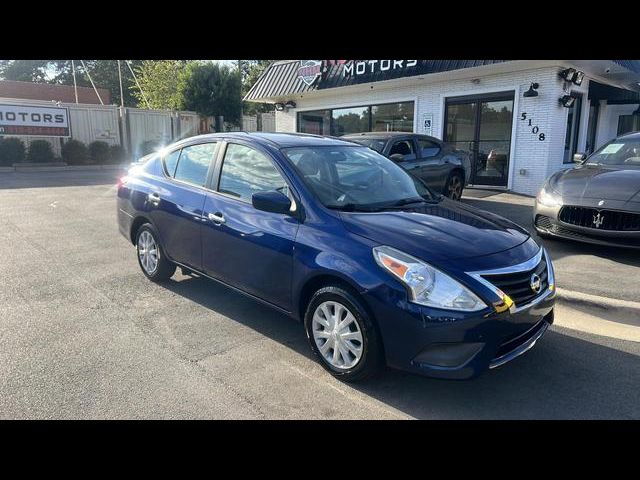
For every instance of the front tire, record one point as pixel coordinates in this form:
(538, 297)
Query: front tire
(342, 335)
(454, 186)
(153, 262)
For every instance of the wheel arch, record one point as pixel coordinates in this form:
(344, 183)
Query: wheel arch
(329, 278)
(135, 226)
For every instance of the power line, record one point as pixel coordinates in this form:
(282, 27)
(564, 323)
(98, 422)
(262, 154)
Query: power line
(91, 80)
(128, 62)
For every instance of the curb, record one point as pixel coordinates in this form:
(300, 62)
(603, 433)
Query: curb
(601, 306)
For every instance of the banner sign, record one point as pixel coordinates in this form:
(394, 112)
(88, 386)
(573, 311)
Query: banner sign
(32, 120)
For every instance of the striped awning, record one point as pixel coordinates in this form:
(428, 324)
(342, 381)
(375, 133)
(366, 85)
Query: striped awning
(281, 78)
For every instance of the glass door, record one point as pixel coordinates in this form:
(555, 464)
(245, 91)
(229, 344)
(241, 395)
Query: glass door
(482, 125)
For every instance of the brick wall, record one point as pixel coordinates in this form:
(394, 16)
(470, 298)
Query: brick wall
(49, 92)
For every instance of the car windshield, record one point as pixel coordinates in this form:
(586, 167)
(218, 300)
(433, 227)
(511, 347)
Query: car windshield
(618, 152)
(357, 178)
(376, 144)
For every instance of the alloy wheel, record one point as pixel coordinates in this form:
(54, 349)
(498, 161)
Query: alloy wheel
(337, 335)
(148, 252)
(454, 189)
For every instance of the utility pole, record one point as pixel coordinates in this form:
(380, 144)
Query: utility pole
(241, 114)
(75, 86)
(120, 79)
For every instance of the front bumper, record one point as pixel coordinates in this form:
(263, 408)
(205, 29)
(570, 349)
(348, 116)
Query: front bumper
(546, 222)
(456, 345)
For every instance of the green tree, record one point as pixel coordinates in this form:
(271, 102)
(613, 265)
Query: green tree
(24, 70)
(159, 80)
(211, 89)
(104, 74)
(251, 71)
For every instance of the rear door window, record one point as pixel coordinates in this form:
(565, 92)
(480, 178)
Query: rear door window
(404, 148)
(194, 162)
(428, 148)
(170, 162)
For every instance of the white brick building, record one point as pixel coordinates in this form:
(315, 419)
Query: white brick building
(516, 141)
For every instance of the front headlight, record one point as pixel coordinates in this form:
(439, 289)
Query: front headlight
(548, 198)
(427, 285)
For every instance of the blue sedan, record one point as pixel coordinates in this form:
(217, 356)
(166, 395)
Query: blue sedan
(378, 268)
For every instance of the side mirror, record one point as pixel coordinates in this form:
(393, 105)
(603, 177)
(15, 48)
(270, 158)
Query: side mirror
(579, 157)
(273, 201)
(397, 157)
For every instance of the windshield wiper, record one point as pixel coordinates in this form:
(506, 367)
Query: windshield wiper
(352, 207)
(410, 201)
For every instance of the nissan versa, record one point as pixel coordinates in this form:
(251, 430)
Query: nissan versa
(377, 267)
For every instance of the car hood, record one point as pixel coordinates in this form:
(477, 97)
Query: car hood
(443, 231)
(598, 182)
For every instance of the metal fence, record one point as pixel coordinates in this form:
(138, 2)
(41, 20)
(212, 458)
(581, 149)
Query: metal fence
(264, 122)
(129, 127)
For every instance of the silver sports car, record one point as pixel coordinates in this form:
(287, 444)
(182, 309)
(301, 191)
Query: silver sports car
(597, 201)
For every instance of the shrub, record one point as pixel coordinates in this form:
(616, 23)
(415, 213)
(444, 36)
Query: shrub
(117, 154)
(11, 151)
(40, 151)
(148, 147)
(99, 152)
(75, 152)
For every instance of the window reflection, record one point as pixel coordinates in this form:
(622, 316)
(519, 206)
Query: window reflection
(317, 122)
(390, 117)
(349, 120)
(246, 171)
(193, 164)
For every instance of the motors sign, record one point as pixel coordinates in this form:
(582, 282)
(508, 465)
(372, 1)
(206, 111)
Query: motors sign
(363, 67)
(311, 70)
(31, 120)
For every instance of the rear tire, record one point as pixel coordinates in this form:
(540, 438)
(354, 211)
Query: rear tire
(455, 185)
(151, 257)
(342, 335)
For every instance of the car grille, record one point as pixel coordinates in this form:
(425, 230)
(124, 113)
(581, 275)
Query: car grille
(518, 284)
(611, 219)
(571, 234)
(543, 221)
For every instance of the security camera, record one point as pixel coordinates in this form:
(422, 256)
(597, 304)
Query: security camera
(607, 70)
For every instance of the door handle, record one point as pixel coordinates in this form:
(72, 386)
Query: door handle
(154, 198)
(216, 217)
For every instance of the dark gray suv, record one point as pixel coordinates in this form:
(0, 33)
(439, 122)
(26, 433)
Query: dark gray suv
(443, 168)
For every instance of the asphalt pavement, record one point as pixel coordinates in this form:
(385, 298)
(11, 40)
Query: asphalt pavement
(83, 334)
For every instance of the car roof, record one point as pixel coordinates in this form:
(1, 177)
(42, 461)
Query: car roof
(387, 135)
(279, 140)
(632, 135)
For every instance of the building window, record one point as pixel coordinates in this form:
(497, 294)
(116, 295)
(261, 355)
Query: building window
(573, 129)
(392, 117)
(389, 117)
(317, 122)
(628, 124)
(349, 120)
